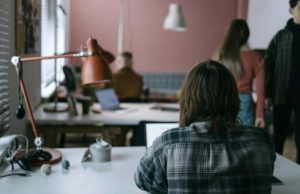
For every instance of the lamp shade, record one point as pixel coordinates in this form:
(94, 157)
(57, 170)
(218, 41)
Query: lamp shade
(174, 20)
(95, 69)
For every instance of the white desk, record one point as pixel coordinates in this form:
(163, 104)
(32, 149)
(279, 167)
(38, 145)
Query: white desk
(115, 177)
(51, 124)
(137, 112)
(289, 173)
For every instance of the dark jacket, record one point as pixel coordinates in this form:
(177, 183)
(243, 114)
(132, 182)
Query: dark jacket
(278, 62)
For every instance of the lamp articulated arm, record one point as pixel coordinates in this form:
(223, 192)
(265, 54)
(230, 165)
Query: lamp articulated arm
(16, 60)
(95, 70)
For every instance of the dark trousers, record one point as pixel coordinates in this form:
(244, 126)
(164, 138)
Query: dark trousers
(281, 119)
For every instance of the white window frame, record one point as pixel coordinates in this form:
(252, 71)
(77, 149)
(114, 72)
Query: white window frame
(53, 41)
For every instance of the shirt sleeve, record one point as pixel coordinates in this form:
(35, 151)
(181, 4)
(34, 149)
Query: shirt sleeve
(269, 68)
(150, 176)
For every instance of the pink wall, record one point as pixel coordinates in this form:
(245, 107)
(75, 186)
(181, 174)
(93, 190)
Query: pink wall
(154, 49)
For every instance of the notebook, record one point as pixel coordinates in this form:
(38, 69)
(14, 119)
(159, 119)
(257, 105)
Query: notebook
(108, 99)
(154, 130)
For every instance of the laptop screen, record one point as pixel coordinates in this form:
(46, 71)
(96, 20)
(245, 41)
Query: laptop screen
(108, 99)
(154, 130)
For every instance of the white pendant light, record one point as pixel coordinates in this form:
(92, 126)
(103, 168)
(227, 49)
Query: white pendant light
(174, 20)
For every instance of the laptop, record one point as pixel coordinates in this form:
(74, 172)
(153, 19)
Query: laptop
(108, 99)
(153, 130)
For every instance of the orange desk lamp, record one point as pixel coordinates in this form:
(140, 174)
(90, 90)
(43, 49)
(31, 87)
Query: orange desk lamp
(95, 70)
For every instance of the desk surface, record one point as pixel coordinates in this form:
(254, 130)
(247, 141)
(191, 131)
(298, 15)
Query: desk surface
(115, 176)
(289, 173)
(135, 113)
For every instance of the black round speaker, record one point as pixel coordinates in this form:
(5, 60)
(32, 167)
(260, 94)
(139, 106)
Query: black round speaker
(20, 113)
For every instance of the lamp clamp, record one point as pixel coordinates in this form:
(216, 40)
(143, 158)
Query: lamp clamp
(38, 141)
(15, 60)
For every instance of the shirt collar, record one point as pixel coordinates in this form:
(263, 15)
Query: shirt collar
(201, 127)
(206, 126)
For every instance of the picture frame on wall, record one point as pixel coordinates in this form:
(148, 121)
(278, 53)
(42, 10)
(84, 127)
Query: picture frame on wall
(28, 30)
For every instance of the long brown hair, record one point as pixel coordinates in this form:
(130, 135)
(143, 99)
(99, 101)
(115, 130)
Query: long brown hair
(209, 93)
(236, 36)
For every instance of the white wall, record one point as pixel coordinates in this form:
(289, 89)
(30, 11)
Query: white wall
(265, 18)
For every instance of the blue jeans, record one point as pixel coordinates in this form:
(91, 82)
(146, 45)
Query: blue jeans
(247, 110)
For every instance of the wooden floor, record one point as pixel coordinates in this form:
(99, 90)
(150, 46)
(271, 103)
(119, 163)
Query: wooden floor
(290, 148)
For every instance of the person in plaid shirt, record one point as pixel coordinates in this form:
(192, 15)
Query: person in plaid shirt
(210, 152)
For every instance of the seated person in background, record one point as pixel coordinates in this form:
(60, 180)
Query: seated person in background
(127, 83)
(107, 57)
(211, 152)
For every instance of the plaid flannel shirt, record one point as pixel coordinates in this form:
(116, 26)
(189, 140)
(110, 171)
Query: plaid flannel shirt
(192, 160)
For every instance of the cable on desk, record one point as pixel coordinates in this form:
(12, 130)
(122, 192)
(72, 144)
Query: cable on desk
(15, 173)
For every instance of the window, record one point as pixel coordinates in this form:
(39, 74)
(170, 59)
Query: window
(53, 35)
(5, 31)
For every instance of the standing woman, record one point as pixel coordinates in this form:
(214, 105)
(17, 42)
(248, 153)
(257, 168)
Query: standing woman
(245, 65)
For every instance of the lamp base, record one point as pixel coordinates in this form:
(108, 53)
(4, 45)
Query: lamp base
(56, 157)
(56, 107)
(36, 157)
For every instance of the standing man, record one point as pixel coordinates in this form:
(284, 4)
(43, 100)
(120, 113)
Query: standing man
(282, 78)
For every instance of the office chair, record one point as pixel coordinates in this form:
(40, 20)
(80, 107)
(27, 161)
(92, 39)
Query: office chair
(70, 78)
